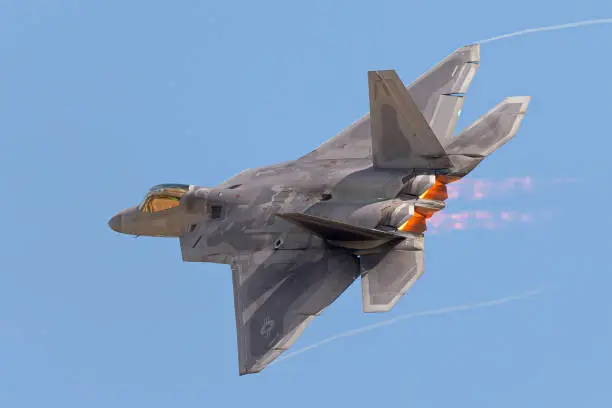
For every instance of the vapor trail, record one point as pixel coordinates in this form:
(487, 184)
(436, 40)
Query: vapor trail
(445, 310)
(548, 28)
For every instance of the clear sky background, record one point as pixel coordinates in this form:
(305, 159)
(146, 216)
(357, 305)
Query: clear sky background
(101, 100)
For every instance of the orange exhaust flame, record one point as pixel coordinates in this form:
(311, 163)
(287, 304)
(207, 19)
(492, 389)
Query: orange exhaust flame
(436, 192)
(418, 222)
(477, 189)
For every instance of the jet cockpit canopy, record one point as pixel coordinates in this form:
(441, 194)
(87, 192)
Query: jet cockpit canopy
(163, 197)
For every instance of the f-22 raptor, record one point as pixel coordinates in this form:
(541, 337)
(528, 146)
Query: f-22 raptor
(297, 234)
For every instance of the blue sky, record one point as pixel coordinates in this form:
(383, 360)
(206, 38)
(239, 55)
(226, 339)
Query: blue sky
(101, 100)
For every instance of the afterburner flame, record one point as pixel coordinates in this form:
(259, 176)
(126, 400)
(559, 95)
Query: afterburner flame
(418, 222)
(436, 192)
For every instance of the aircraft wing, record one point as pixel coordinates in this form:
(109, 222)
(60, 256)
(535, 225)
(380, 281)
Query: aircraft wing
(439, 95)
(277, 293)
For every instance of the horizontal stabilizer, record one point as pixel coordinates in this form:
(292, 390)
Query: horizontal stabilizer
(401, 137)
(387, 276)
(491, 130)
(338, 231)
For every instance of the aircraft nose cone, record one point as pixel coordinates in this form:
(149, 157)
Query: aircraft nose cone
(115, 223)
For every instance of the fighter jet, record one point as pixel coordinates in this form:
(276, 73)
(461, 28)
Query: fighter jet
(297, 234)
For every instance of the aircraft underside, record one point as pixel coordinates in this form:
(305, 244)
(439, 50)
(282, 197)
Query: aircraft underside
(297, 234)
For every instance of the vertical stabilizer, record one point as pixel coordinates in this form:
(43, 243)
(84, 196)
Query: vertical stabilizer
(401, 137)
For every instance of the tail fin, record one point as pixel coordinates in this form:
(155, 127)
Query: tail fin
(486, 135)
(401, 137)
(440, 92)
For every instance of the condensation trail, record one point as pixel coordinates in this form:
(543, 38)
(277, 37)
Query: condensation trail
(445, 310)
(548, 28)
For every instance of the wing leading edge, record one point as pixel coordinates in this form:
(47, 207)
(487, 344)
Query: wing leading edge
(277, 293)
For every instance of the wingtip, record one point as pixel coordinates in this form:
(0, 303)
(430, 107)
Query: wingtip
(377, 308)
(523, 100)
(382, 74)
(519, 99)
(473, 51)
(246, 371)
